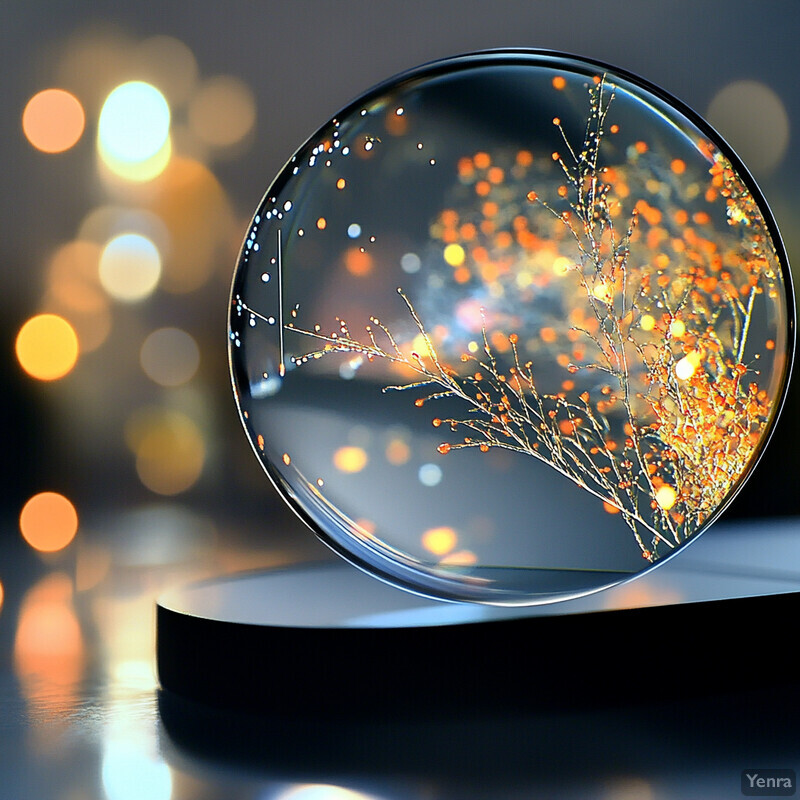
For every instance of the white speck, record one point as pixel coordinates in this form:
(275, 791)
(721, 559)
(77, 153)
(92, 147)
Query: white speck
(400, 111)
(372, 238)
(287, 206)
(368, 145)
(354, 230)
(271, 320)
(363, 112)
(265, 277)
(432, 161)
(430, 475)
(301, 232)
(345, 151)
(419, 145)
(295, 170)
(257, 219)
(410, 263)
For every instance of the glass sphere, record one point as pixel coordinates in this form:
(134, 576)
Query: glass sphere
(511, 328)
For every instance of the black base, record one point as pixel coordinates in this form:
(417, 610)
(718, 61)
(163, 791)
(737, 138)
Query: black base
(326, 641)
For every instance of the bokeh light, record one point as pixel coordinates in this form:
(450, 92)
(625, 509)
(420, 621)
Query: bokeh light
(73, 287)
(322, 791)
(761, 135)
(48, 522)
(169, 356)
(350, 459)
(169, 64)
(200, 223)
(47, 347)
(169, 449)
(48, 647)
(222, 112)
(133, 131)
(130, 267)
(53, 120)
(138, 171)
(131, 774)
(439, 541)
(134, 122)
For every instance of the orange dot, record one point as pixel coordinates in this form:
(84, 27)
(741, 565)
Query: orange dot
(548, 335)
(495, 175)
(47, 347)
(678, 166)
(524, 158)
(340, 184)
(770, 344)
(48, 522)
(53, 120)
(559, 82)
(641, 147)
(482, 160)
(610, 509)
(322, 223)
(287, 459)
(357, 263)
(482, 188)
(614, 129)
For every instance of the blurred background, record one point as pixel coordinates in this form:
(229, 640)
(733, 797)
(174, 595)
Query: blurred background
(138, 139)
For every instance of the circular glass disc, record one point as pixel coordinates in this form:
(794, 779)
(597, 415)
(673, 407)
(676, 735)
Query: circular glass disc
(512, 327)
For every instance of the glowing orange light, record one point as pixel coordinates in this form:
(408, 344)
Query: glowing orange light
(53, 120)
(341, 183)
(322, 223)
(48, 522)
(559, 82)
(357, 262)
(439, 541)
(48, 647)
(350, 459)
(47, 347)
(609, 509)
